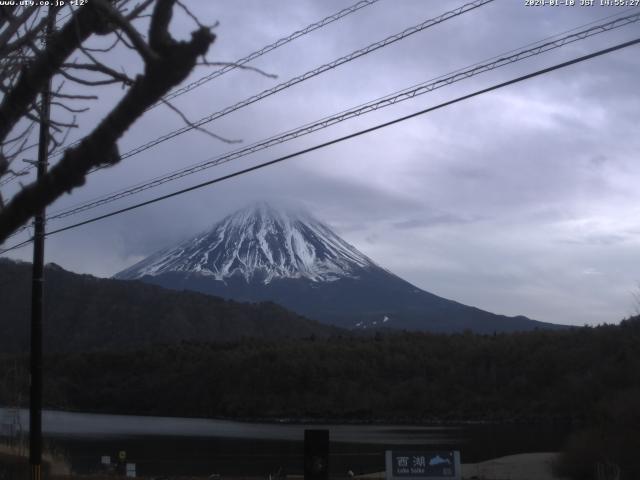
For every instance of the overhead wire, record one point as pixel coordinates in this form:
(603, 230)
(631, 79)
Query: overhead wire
(229, 67)
(382, 102)
(295, 80)
(309, 74)
(252, 56)
(538, 42)
(266, 49)
(411, 92)
(539, 47)
(340, 139)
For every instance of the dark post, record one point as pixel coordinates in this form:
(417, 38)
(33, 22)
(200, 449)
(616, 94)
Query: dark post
(316, 454)
(35, 386)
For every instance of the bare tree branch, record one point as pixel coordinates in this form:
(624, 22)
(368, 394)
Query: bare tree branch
(90, 83)
(207, 63)
(99, 67)
(116, 17)
(195, 127)
(25, 132)
(190, 14)
(4, 164)
(159, 37)
(170, 65)
(14, 25)
(75, 97)
(33, 78)
(36, 118)
(122, 39)
(5, 49)
(70, 109)
(105, 49)
(137, 11)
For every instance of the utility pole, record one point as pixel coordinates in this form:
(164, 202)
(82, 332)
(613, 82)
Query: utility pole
(37, 286)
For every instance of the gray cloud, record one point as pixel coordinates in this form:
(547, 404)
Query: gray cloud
(522, 201)
(430, 219)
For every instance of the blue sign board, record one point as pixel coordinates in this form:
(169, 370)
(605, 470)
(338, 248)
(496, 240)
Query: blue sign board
(423, 465)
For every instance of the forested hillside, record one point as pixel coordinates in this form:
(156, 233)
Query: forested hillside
(87, 313)
(543, 375)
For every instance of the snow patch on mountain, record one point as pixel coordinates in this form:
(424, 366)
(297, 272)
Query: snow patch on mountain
(260, 243)
(364, 324)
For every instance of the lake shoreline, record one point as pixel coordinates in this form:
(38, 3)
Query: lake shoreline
(530, 420)
(194, 446)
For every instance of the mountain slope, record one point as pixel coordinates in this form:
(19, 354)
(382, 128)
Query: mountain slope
(289, 257)
(259, 244)
(83, 313)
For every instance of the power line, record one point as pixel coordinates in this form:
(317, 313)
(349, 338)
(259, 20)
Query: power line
(374, 105)
(305, 76)
(411, 92)
(310, 74)
(19, 245)
(278, 43)
(341, 139)
(231, 66)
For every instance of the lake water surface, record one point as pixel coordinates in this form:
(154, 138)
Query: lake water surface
(188, 446)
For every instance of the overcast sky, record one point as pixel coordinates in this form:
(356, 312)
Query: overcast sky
(521, 201)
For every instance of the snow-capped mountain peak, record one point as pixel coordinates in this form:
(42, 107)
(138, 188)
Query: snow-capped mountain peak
(259, 243)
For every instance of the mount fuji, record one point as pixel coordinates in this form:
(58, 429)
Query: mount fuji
(262, 253)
